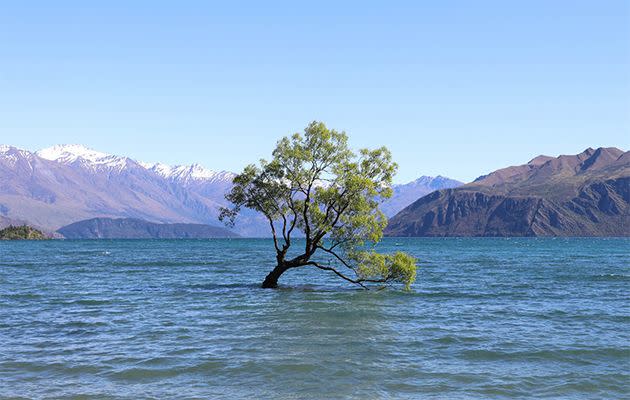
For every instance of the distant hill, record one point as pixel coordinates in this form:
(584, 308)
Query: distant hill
(22, 232)
(406, 194)
(130, 228)
(587, 194)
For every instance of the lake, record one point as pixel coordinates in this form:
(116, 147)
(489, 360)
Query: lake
(169, 319)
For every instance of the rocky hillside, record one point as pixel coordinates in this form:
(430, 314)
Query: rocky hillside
(587, 194)
(129, 228)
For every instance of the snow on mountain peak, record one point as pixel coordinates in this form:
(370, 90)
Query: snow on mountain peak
(435, 182)
(196, 171)
(5, 149)
(188, 173)
(161, 169)
(13, 154)
(70, 153)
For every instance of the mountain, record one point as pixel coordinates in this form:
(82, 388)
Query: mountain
(130, 228)
(63, 184)
(189, 174)
(587, 194)
(6, 222)
(67, 183)
(86, 158)
(407, 193)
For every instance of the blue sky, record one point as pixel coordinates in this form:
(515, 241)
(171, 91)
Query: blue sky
(457, 88)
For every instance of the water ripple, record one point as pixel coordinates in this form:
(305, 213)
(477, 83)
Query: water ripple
(488, 318)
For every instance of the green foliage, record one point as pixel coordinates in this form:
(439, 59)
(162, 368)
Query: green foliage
(23, 232)
(315, 184)
(398, 267)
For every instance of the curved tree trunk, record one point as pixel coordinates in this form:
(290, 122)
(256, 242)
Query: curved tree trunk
(271, 281)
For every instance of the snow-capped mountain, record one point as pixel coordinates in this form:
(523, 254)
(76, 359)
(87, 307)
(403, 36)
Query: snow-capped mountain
(64, 184)
(12, 154)
(67, 183)
(406, 194)
(73, 153)
(189, 173)
(76, 153)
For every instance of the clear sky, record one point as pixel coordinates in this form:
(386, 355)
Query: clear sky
(457, 88)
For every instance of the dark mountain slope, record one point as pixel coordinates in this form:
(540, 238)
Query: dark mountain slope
(583, 195)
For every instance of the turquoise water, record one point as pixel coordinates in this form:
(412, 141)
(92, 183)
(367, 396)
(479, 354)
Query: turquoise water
(488, 318)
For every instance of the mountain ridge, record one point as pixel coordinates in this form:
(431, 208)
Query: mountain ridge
(587, 194)
(405, 194)
(62, 184)
(78, 184)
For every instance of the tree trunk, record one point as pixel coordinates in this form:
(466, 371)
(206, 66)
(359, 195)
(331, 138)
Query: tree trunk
(271, 281)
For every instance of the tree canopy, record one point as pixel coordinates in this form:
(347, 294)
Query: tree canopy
(23, 232)
(316, 185)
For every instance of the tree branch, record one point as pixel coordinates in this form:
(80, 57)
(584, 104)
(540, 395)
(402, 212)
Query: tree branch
(291, 206)
(344, 262)
(356, 281)
(273, 228)
(325, 268)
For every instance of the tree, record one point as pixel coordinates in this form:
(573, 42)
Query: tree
(23, 232)
(316, 185)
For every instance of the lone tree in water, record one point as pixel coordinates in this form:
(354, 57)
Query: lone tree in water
(316, 185)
